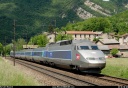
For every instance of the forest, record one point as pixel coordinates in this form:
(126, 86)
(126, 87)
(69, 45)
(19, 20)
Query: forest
(35, 16)
(30, 18)
(117, 23)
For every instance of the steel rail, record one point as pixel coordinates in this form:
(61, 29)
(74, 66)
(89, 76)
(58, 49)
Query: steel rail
(118, 81)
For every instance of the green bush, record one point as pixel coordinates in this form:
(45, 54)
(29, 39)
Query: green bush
(114, 51)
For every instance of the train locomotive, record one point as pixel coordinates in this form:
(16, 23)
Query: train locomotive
(79, 55)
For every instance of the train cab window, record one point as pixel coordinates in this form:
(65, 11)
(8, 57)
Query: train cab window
(63, 43)
(77, 48)
(28, 53)
(94, 48)
(84, 47)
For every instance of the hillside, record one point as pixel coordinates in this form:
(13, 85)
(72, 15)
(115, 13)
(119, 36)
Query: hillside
(35, 16)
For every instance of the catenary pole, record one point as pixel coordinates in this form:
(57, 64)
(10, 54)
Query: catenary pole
(14, 27)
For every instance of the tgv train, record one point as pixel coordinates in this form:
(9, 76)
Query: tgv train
(80, 55)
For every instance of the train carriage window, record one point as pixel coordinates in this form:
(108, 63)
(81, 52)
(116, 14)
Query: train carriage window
(94, 48)
(84, 47)
(28, 53)
(74, 47)
(37, 53)
(77, 48)
(62, 43)
(22, 53)
(66, 42)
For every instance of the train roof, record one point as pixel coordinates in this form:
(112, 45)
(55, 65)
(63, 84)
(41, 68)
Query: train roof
(81, 41)
(63, 41)
(39, 49)
(69, 42)
(25, 50)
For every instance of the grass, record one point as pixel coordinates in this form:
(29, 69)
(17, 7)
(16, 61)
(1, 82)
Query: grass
(117, 67)
(9, 76)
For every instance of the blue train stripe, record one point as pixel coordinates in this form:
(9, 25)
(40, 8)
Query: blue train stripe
(58, 54)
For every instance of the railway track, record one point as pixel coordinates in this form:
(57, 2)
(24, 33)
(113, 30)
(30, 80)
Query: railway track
(115, 79)
(76, 79)
(71, 81)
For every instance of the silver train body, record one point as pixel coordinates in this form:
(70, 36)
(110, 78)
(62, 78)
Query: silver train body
(82, 55)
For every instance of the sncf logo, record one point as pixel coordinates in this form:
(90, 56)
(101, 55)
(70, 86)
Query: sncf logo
(77, 57)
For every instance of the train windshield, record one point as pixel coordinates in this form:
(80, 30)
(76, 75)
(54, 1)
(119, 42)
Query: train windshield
(84, 47)
(94, 48)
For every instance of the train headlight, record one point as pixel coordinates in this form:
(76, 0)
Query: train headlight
(101, 58)
(90, 58)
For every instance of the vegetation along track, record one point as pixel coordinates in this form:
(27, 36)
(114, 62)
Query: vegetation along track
(77, 79)
(62, 77)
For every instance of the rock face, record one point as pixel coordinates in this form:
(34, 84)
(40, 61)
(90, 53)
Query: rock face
(82, 13)
(97, 8)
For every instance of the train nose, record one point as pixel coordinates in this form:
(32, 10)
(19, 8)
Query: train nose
(93, 56)
(92, 53)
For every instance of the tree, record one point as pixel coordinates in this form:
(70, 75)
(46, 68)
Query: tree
(96, 39)
(51, 28)
(63, 37)
(95, 24)
(33, 40)
(40, 40)
(7, 49)
(19, 44)
(114, 51)
(1, 48)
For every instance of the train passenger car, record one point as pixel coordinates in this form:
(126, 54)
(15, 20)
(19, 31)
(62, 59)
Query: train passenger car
(27, 54)
(38, 54)
(60, 55)
(11, 54)
(17, 54)
(80, 55)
